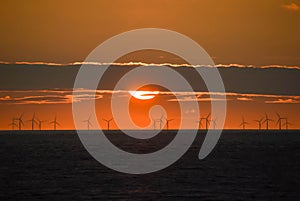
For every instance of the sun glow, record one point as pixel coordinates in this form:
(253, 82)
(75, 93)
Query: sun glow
(143, 95)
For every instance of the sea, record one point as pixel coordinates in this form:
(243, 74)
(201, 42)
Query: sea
(244, 165)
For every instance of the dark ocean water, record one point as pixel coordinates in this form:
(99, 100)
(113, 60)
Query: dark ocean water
(243, 166)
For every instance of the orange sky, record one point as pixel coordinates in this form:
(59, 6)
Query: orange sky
(232, 31)
(238, 106)
(245, 32)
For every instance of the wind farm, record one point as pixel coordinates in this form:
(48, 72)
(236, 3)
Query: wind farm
(264, 123)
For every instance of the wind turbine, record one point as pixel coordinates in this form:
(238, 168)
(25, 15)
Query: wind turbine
(214, 122)
(267, 120)
(40, 124)
(33, 121)
(108, 122)
(13, 124)
(20, 121)
(200, 123)
(206, 121)
(55, 123)
(88, 122)
(279, 121)
(259, 121)
(154, 122)
(167, 122)
(287, 123)
(244, 123)
(160, 121)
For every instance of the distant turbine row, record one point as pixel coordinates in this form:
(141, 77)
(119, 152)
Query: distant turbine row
(17, 122)
(281, 121)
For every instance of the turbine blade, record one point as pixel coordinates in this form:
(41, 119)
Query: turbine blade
(208, 116)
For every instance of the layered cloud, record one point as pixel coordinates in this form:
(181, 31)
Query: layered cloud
(46, 97)
(145, 64)
(52, 79)
(67, 96)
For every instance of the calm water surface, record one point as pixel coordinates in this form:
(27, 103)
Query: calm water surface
(243, 166)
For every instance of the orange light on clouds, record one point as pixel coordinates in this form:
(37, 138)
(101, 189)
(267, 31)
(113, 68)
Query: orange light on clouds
(143, 95)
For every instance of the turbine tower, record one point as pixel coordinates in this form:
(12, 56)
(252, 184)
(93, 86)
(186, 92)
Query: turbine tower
(160, 121)
(267, 120)
(154, 121)
(244, 123)
(259, 121)
(13, 124)
(214, 122)
(20, 121)
(33, 121)
(167, 122)
(207, 121)
(108, 122)
(279, 121)
(287, 123)
(200, 123)
(40, 122)
(88, 122)
(55, 123)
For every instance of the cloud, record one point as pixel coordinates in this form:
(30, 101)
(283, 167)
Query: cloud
(281, 101)
(291, 7)
(230, 96)
(67, 96)
(244, 99)
(46, 97)
(79, 63)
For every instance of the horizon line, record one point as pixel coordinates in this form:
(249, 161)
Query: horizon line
(162, 130)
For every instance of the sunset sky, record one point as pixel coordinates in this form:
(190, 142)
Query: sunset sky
(255, 44)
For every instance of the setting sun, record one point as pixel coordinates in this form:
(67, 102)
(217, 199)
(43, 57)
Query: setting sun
(143, 95)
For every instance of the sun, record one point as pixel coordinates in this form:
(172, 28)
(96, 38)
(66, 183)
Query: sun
(143, 95)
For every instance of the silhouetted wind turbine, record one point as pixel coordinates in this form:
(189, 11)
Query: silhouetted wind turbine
(154, 121)
(279, 123)
(13, 124)
(55, 123)
(287, 123)
(267, 120)
(214, 122)
(88, 122)
(108, 122)
(200, 123)
(20, 121)
(160, 121)
(206, 119)
(33, 121)
(259, 121)
(167, 122)
(40, 124)
(244, 123)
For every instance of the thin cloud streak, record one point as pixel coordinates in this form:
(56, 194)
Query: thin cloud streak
(67, 96)
(149, 64)
(283, 101)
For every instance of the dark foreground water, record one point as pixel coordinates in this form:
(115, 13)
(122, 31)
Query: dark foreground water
(243, 166)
